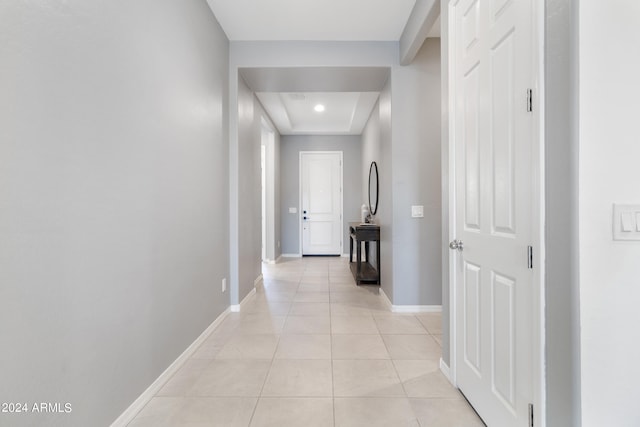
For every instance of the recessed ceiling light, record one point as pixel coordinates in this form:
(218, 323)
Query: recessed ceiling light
(319, 108)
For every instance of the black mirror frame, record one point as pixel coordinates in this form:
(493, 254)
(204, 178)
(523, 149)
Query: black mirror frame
(373, 210)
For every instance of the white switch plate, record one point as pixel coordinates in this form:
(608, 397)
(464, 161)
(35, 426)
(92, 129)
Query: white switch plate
(417, 211)
(626, 222)
(293, 210)
(224, 284)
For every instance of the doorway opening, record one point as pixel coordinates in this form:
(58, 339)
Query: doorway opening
(268, 182)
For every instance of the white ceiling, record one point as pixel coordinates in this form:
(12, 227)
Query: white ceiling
(293, 113)
(323, 20)
(289, 95)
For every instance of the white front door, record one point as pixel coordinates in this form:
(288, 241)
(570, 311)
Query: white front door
(321, 202)
(493, 142)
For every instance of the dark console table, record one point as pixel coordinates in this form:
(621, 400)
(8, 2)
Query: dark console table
(364, 272)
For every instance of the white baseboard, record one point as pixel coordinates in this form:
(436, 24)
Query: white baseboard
(386, 299)
(291, 255)
(130, 413)
(444, 368)
(258, 280)
(416, 308)
(273, 261)
(410, 308)
(236, 308)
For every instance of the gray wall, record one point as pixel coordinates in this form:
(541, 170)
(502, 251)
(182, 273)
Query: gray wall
(444, 173)
(113, 164)
(272, 190)
(376, 146)
(403, 137)
(561, 232)
(291, 146)
(245, 190)
(277, 196)
(249, 252)
(416, 161)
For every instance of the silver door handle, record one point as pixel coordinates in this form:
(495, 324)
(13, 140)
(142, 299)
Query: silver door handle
(456, 245)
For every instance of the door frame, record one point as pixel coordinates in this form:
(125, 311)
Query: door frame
(300, 224)
(263, 187)
(537, 214)
(267, 140)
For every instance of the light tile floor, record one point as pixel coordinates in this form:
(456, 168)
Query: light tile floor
(309, 349)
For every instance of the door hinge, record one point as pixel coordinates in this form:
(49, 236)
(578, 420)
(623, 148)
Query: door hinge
(530, 414)
(529, 100)
(530, 257)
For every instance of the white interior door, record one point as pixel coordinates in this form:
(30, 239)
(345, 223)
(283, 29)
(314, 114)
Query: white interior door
(492, 61)
(321, 202)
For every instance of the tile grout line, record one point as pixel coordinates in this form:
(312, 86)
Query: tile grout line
(335, 292)
(266, 377)
(333, 382)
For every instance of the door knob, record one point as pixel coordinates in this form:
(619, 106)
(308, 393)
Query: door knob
(456, 245)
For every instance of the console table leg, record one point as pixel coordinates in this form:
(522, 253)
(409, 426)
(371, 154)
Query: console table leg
(366, 251)
(359, 260)
(378, 261)
(350, 249)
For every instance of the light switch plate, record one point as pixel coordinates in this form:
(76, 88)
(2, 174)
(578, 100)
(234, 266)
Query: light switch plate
(626, 222)
(293, 210)
(417, 211)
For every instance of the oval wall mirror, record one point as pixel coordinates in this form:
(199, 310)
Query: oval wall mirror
(373, 188)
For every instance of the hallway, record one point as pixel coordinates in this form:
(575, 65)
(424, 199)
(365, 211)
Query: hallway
(312, 349)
